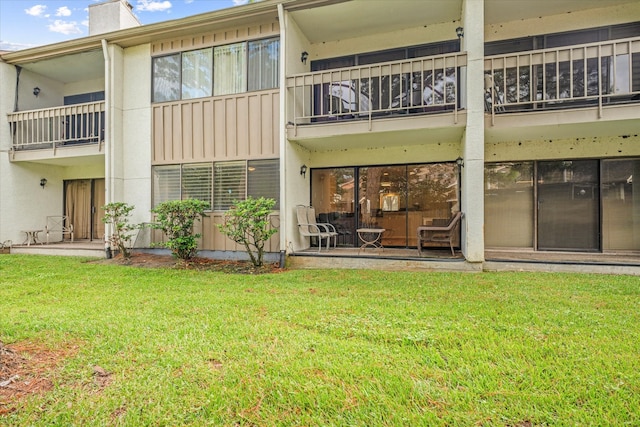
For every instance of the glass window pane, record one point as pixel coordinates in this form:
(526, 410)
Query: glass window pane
(508, 205)
(620, 204)
(333, 197)
(230, 69)
(197, 73)
(263, 180)
(568, 205)
(166, 183)
(432, 195)
(229, 184)
(263, 64)
(166, 78)
(197, 182)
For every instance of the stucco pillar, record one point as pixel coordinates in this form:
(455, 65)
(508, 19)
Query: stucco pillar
(472, 189)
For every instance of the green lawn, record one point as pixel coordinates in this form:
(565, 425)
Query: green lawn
(330, 347)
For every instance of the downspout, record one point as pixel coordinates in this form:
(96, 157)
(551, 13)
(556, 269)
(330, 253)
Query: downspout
(284, 208)
(15, 101)
(107, 141)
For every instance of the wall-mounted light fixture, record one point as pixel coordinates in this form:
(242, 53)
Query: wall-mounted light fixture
(303, 170)
(460, 162)
(303, 57)
(36, 91)
(43, 182)
(460, 32)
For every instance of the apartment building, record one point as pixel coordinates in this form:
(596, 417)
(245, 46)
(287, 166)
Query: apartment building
(525, 116)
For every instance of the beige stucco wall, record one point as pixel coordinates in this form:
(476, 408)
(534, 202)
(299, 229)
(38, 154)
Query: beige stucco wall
(134, 145)
(23, 203)
(564, 148)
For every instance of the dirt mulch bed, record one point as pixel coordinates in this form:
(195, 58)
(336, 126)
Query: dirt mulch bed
(146, 260)
(25, 369)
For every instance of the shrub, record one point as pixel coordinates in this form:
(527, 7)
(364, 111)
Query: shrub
(176, 219)
(117, 214)
(247, 223)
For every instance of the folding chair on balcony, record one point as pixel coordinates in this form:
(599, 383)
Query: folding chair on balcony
(58, 226)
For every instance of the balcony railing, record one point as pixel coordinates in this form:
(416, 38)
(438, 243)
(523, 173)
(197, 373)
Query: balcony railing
(58, 126)
(594, 74)
(412, 86)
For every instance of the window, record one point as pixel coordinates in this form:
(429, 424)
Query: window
(197, 73)
(238, 179)
(196, 182)
(166, 78)
(166, 183)
(263, 64)
(175, 182)
(230, 178)
(221, 70)
(226, 181)
(263, 180)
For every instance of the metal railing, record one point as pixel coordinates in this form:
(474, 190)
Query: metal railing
(593, 74)
(411, 86)
(58, 126)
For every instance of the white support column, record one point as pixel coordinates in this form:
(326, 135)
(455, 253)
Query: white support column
(473, 140)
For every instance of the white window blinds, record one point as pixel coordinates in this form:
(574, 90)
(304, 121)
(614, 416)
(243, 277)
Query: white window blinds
(229, 184)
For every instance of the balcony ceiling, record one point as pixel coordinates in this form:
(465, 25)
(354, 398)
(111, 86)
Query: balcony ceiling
(497, 11)
(362, 17)
(70, 68)
(356, 18)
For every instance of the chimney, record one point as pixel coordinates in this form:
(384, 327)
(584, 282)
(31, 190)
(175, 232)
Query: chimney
(111, 15)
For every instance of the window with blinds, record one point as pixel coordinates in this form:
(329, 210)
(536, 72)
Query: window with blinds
(166, 183)
(226, 181)
(197, 182)
(229, 184)
(263, 179)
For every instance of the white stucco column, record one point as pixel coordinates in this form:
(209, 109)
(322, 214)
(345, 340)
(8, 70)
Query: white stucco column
(473, 139)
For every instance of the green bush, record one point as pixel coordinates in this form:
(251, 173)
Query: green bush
(117, 214)
(176, 219)
(247, 223)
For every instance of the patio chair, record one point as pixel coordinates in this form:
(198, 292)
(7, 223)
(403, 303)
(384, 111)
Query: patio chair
(326, 227)
(439, 233)
(58, 225)
(311, 229)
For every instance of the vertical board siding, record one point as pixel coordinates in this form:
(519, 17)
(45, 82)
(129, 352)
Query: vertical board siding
(213, 239)
(219, 37)
(242, 126)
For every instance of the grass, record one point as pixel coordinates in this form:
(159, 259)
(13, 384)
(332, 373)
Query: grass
(330, 347)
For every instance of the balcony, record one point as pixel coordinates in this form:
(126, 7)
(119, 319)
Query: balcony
(602, 78)
(79, 126)
(381, 97)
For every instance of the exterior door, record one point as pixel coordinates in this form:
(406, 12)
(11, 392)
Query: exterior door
(84, 199)
(568, 205)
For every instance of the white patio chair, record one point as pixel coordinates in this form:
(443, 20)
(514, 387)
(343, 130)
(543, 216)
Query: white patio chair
(311, 229)
(58, 226)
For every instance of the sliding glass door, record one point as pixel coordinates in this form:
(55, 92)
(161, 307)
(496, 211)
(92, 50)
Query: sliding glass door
(398, 198)
(568, 205)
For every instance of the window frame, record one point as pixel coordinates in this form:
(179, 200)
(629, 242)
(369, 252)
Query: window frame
(244, 165)
(245, 70)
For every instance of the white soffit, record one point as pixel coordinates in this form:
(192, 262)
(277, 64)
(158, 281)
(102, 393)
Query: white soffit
(364, 17)
(497, 11)
(70, 68)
